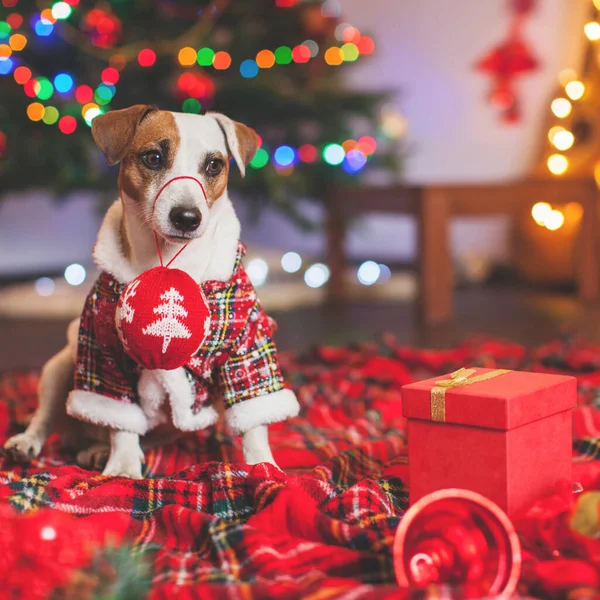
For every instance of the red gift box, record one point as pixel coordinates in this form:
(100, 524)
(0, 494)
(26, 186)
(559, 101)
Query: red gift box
(504, 434)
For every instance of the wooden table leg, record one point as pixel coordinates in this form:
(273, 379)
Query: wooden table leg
(335, 226)
(436, 280)
(587, 268)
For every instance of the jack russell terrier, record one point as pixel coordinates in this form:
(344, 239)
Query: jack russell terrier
(117, 400)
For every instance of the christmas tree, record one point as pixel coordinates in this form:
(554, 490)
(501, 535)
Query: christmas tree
(169, 326)
(275, 65)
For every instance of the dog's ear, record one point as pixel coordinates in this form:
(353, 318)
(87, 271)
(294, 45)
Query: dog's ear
(114, 131)
(242, 142)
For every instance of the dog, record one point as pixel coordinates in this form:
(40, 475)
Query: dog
(104, 405)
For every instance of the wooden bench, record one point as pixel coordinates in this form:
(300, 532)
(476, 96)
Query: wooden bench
(434, 206)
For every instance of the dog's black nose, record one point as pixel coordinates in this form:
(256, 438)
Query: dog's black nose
(185, 219)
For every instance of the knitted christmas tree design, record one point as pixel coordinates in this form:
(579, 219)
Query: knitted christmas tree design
(126, 311)
(169, 326)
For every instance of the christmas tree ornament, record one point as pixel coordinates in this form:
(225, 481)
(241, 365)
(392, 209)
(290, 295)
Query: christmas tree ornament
(507, 61)
(162, 316)
(458, 538)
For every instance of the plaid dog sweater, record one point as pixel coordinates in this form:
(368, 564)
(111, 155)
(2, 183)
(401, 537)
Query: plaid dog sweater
(237, 360)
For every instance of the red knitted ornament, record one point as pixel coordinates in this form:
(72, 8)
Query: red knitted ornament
(162, 318)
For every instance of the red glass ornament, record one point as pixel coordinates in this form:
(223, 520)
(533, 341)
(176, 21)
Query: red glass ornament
(459, 538)
(162, 318)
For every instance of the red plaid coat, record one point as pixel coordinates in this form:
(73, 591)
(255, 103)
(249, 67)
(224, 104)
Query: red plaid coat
(237, 360)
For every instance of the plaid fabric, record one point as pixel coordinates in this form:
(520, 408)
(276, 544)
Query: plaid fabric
(324, 529)
(237, 360)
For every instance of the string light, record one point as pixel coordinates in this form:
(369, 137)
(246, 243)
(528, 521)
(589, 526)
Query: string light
(557, 164)
(15, 20)
(561, 107)
(205, 57)
(221, 61)
(110, 76)
(6, 66)
(67, 124)
(51, 115)
(191, 105)
(265, 59)
(283, 55)
(291, 262)
(249, 69)
(366, 45)
(5, 50)
(540, 211)
(75, 274)
(333, 154)
(350, 52)
(575, 89)
(592, 30)
(84, 94)
(554, 220)
(316, 275)
(187, 56)
(355, 160)
(307, 153)
(301, 54)
(261, 158)
(35, 111)
(368, 273)
(284, 156)
(61, 10)
(312, 46)
(334, 56)
(146, 57)
(63, 83)
(22, 75)
(563, 140)
(258, 270)
(17, 42)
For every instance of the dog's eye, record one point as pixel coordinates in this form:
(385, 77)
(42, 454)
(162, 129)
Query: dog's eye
(214, 166)
(152, 159)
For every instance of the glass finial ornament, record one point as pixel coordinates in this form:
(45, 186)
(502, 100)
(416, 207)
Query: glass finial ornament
(461, 539)
(162, 317)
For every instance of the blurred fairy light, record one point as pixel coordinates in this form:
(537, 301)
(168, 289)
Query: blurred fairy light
(575, 89)
(291, 262)
(563, 140)
(257, 270)
(540, 211)
(561, 107)
(393, 123)
(44, 286)
(368, 273)
(61, 10)
(554, 220)
(557, 164)
(75, 274)
(592, 31)
(385, 274)
(316, 275)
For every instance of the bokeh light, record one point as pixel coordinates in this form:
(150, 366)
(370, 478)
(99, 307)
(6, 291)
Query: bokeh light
(258, 270)
(283, 55)
(17, 42)
(44, 286)
(84, 94)
(222, 61)
(43, 28)
(365, 45)
(75, 274)
(191, 105)
(316, 275)
(540, 211)
(355, 161)
(67, 124)
(284, 156)
(22, 75)
(368, 273)
(307, 153)
(333, 154)
(63, 83)
(554, 220)
(249, 69)
(110, 76)
(261, 158)
(312, 46)
(557, 164)
(349, 52)
(205, 57)
(45, 89)
(146, 57)
(291, 262)
(187, 56)
(301, 54)
(265, 59)
(575, 90)
(334, 56)
(35, 111)
(563, 140)
(6, 66)
(561, 107)
(51, 115)
(592, 30)
(61, 10)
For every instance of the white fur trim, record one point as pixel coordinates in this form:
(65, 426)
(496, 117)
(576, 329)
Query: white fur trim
(176, 383)
(262, 410)
(210, 257)
(102, 410)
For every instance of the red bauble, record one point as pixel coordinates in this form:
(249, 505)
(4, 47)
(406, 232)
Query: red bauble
(162, 318)
(458, 538)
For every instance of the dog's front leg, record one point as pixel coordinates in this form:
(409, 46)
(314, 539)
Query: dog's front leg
(126, 456)
(55, 382)
(255, 446)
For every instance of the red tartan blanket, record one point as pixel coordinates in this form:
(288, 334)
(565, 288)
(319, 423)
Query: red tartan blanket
(325, 529)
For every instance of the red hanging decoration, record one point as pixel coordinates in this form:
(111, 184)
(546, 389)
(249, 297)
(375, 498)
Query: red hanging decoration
(162, 316)
(507, 61)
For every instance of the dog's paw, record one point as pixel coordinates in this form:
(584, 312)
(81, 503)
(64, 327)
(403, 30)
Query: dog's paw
(23, 446)
(94, 458)
(124, 466)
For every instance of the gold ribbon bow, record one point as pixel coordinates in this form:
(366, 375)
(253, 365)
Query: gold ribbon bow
(457, 379)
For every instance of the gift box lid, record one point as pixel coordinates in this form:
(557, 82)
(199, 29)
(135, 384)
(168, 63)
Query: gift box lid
(504, 402)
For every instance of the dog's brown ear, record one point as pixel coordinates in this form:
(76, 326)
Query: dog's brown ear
(114, 131)
(242, 141)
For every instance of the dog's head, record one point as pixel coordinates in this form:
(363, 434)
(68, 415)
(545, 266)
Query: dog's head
(155, 146)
